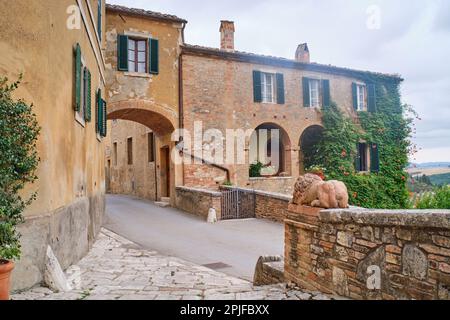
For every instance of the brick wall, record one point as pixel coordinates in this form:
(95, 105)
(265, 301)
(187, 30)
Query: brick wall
(341, 252)
(219, 93)
(198, 201)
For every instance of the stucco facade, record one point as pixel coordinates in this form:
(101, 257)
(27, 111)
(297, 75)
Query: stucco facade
(150, 99)
(36, 41)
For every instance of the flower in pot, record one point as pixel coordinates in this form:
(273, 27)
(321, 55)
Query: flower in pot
(18, 161)
(317, 170)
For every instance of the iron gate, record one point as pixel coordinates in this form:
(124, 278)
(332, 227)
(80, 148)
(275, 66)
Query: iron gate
(238, 204)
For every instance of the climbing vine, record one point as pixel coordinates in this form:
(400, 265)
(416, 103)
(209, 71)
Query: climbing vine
(390, 128)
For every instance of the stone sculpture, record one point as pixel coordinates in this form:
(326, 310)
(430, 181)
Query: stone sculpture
(311, 190)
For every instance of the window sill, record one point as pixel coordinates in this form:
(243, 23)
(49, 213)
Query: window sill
(138, 75)
(80, 120)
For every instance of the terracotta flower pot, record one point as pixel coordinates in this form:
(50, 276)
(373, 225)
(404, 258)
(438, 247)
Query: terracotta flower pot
(5, 275)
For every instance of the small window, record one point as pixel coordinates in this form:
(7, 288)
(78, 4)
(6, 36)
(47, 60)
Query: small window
(314, 93)
(268, 87)
(137, 55)
(362, 164)
(151, 147)
(130, 151)
(115, 153)
(361, 97)
(81, 113)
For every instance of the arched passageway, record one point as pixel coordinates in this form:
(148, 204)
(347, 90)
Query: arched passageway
(309, 142)
(270, 147)
(139, 155)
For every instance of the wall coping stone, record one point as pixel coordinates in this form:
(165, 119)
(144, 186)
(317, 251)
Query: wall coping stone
(274, 195)
(383, 217)
(199, 190)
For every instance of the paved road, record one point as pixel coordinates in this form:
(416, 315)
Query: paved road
(236, 243)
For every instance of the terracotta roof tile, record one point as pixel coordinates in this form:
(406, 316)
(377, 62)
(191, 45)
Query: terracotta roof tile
(144, 13)
(266, 59)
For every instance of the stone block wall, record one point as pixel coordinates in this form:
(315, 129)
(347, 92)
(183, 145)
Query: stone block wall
(369, 254)
(272, 206)
(269, 270)
(284, 185)
(198, 201)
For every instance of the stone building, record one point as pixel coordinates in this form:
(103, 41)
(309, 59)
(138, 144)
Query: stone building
(276, 103)
(58, 46)
(142, 71)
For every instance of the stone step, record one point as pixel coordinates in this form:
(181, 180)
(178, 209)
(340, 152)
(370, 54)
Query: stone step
(162, 204)
(165, 199)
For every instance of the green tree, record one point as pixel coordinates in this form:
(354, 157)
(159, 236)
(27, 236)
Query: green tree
(19, 131)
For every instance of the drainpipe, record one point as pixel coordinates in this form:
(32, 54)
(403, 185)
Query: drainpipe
(180, 93)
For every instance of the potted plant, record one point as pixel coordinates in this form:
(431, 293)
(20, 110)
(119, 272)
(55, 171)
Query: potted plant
(317, 170)
(18, 161)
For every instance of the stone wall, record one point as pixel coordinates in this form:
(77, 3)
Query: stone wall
(198, 201)
(284, 185)
(70, 231)
(269, 270)
(369, 254)
(272, 206)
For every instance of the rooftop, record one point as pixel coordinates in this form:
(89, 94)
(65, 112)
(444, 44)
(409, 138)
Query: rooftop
(286, 63)
(144, 13)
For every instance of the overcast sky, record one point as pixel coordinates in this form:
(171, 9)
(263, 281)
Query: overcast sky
(412, 38)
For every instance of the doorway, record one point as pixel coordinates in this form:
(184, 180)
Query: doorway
(165, 172)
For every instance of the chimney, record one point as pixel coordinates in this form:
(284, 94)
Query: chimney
(302, 53)
(227, 35)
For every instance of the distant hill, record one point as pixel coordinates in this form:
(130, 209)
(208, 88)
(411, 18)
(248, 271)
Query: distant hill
(440, 179)
(427, 165)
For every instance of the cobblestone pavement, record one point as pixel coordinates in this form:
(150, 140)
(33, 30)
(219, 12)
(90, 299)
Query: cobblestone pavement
(118, 269)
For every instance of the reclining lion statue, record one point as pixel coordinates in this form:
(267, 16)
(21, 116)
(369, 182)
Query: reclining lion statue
(311, 190)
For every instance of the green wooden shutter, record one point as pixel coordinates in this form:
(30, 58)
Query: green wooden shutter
(280, 88)
(355, 96)
(104, 119)
(98, 111)
(122, 52)
(99, 19)
(88, 93)
(358, 159)
(306, 97)
(326, 93)
(374, 158)
(257, 94)
(154, 56)
(371, 98)
(77, 105)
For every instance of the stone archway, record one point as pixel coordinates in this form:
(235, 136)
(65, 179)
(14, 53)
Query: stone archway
(161, 121)
(263, 149)
(308, 144)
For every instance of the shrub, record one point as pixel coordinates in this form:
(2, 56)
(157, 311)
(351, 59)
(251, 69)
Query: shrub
(438, 199)
(18, 161)
(255, 169)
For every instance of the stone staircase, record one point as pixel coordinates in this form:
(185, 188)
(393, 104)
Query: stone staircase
(164, 203)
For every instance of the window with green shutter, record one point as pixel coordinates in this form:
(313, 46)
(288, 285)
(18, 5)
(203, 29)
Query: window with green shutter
(122, 52)
(374, 158)
(78, 78)
(88, 93)
(154, 56)
(306, 96)
(104, 120)
(99, 19)
(99, 112)
(326, 98)
(355, 96)
(257, 94)
(280, 88)
(371, 98)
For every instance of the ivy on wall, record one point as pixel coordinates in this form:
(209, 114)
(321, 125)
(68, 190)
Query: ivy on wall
(389, 128)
